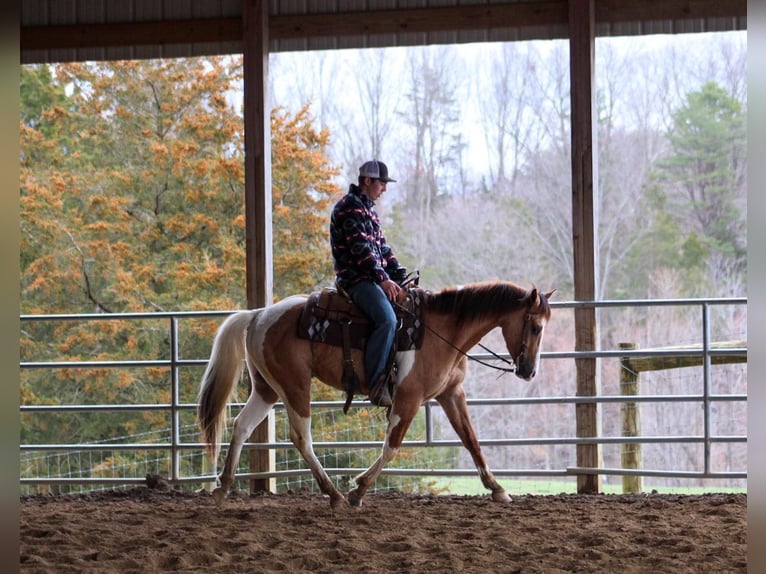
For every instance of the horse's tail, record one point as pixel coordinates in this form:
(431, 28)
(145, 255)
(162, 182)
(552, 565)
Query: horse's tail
(223, 372)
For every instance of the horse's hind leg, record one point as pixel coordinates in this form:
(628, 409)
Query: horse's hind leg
(300, 434)
(402, 412)
(456, 408)
(260, 402)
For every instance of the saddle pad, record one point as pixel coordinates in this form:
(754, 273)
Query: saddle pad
(326, 311)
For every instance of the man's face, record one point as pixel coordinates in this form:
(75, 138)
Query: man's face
(375, 189)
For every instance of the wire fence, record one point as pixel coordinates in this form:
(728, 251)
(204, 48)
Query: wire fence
(437, 460)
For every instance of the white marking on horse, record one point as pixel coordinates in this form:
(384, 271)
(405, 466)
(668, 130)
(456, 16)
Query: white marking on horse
(302, 430)
(264, 320)
(405, 360)
(543, 322)
(393, 423)
(388, 451)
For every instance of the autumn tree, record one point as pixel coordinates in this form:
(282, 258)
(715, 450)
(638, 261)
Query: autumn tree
(132, 200)
(302, 190)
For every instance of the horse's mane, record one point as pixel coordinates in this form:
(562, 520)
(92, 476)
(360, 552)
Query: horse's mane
(478, 300)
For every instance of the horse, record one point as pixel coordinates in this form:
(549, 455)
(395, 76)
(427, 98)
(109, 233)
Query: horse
(281, 366)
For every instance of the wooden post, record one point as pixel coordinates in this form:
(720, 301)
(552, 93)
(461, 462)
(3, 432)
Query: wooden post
(631, 423)
(258, 243)
(584, 231)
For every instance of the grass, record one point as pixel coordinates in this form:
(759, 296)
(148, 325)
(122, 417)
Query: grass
(473, 486)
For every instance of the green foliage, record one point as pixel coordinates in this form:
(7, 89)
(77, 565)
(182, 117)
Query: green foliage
(40, 99)
(704, 177)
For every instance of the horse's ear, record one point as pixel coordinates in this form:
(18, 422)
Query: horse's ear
(549, 294)
(534, 296)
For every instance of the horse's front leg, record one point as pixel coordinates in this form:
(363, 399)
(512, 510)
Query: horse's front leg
(402, 412)
(258, 405)
(454, 404)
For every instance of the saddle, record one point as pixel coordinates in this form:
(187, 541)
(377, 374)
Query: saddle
(330, 317)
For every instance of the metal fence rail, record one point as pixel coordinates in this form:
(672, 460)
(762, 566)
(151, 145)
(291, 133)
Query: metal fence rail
(176, 445)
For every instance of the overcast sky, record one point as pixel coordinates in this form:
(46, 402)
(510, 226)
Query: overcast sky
(327, 78)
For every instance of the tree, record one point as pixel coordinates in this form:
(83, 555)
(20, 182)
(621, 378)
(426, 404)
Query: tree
(434, 147)
(302, 190)
(705, 181)
(508, 120)
(132, 200)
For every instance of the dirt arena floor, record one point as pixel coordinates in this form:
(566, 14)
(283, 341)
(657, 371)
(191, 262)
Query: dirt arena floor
(147, 530)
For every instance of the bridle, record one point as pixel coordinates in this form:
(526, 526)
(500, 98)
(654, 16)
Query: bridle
(511, 368)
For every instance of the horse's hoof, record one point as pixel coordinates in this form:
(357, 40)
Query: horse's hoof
(219, 495)
(354, 498)
(500, 496)
(338, 501)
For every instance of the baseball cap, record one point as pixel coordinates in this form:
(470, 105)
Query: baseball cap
(375, 169)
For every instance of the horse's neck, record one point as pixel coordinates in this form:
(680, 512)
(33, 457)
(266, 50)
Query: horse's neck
(467, 335)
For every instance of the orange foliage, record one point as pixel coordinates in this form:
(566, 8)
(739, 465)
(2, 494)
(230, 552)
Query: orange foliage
(133, 201)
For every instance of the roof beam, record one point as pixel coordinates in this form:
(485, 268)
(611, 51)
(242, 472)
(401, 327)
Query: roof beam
(421, 20)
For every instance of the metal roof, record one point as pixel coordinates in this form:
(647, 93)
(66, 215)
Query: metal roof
(78, 30)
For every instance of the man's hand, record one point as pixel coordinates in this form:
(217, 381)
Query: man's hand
(392, 290)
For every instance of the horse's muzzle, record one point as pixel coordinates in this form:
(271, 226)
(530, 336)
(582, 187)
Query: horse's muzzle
(525, 372)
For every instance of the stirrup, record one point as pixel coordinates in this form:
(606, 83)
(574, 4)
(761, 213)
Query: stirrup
(380, 395)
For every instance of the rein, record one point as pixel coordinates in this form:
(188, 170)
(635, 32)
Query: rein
(509, 369)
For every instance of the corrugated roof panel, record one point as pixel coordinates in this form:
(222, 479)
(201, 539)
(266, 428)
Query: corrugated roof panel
(231, 8)
(208, 9)
(176, 9)
(147, 53)
(86, 12)
(64, 12)
(411, 39)
(146, 10)
(36, 56)
(277, 8)
(721, 24)
(511, 35)
(442, 38)
(211, 48)
(121, 53)
(646, 27)
(177, 51)
(91, 54)
(120, 12)
(34, 12)
(323, 43)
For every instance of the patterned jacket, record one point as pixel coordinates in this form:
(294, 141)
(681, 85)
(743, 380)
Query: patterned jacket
(359, 248)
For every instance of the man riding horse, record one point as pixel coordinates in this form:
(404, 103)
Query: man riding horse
(282, 362)
(364, 266)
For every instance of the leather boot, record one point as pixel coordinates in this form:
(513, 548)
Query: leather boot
(379, 394)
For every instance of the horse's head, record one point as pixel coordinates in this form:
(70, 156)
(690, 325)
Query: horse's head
(523, 333)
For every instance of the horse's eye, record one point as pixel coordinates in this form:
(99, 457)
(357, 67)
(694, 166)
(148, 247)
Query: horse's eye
(536, 330)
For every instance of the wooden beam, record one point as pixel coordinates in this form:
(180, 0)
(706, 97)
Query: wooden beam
(640, 364)
(258, 240)
(420, 20)
(131, 34)
(584, 230)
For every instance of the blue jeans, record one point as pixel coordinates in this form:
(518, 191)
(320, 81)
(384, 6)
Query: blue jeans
(372, 300)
